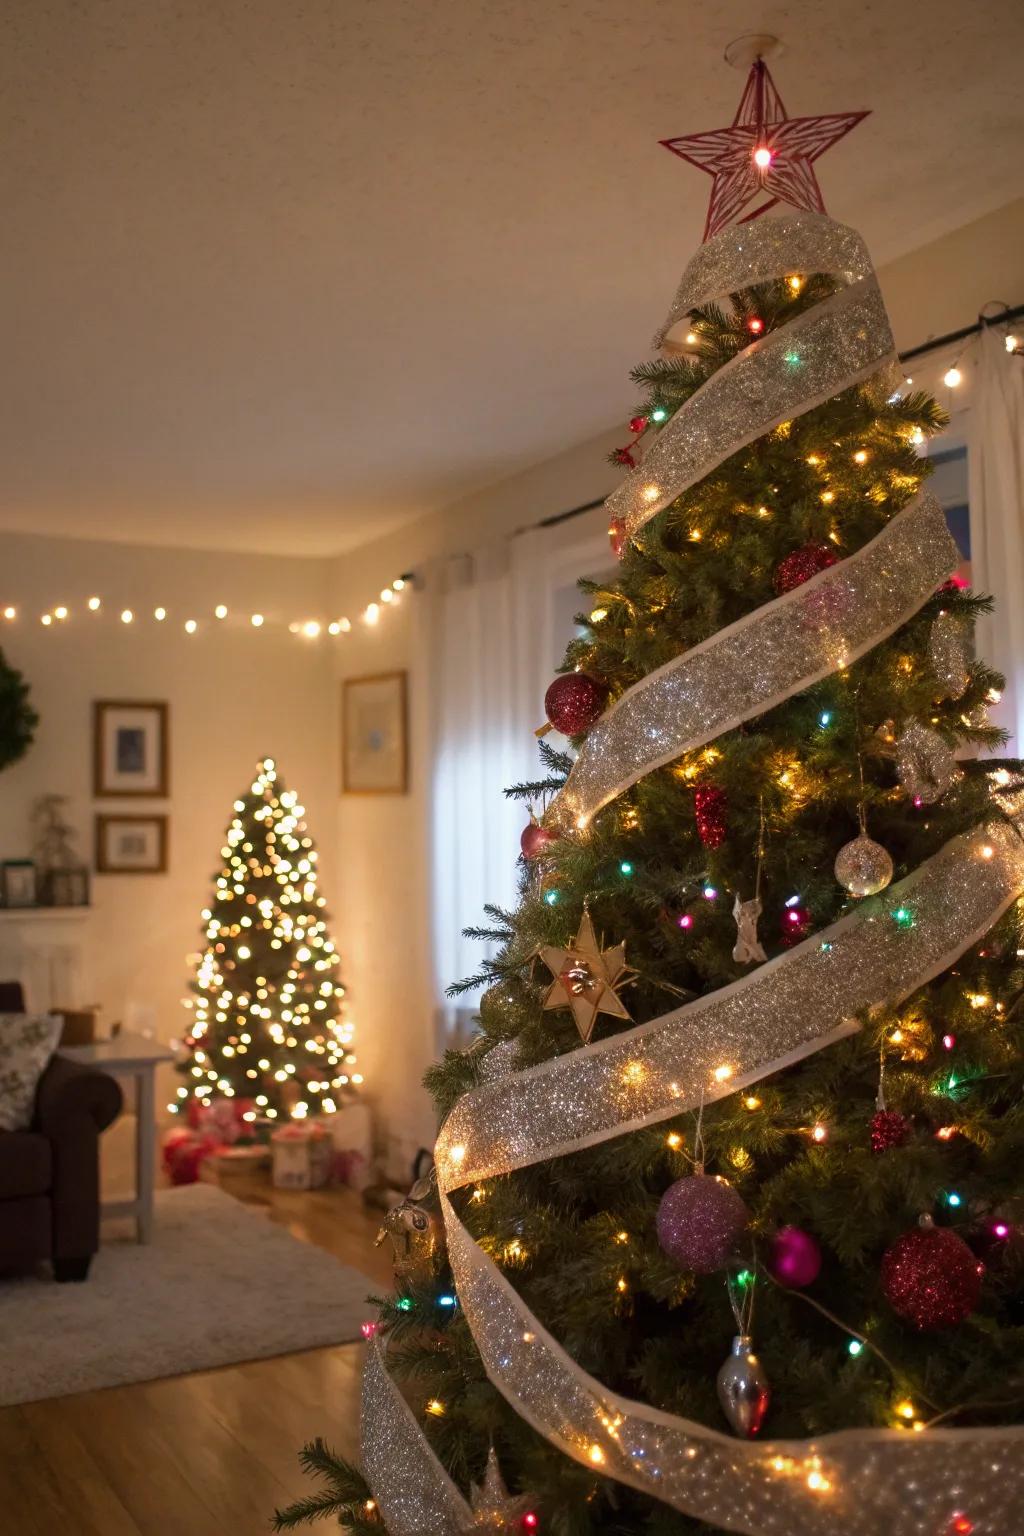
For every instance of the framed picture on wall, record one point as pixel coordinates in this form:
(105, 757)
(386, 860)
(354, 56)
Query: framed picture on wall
(129, 748)
(374, 748)
(18, 883)
(131, 845)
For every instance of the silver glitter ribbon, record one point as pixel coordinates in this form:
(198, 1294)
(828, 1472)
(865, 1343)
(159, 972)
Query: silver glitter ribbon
(792, 1007)
(840, 342)
(949, 651)
(797, 241)
(412, 1490)
(925, 766)
(852, 1483)
(759, 661)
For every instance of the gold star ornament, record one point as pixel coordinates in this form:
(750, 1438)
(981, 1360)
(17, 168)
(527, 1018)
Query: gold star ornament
(494, 1508)
(586, 977)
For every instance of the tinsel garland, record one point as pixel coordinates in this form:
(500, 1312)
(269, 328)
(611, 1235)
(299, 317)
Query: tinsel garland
(793, 1006)
(762, 659)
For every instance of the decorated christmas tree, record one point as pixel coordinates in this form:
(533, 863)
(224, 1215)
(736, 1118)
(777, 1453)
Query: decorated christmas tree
(268, 1021)
(727, 1224)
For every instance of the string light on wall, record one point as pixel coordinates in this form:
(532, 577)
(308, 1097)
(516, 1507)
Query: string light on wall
(305, 628)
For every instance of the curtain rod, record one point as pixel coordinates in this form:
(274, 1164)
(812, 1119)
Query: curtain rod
(1005, 315)
(1003, 318)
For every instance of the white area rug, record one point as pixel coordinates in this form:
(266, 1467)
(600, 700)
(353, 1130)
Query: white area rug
(218, 1284)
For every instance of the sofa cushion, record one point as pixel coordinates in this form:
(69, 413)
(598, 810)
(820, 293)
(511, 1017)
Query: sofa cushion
(27, 1041)
(25, 1164)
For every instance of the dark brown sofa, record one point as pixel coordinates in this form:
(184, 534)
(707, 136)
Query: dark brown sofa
(49, 1174)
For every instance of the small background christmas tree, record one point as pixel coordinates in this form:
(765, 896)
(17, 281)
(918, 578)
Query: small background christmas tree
(268, 1020)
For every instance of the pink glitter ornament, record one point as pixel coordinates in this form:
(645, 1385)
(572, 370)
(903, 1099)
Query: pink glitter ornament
(699, 1221)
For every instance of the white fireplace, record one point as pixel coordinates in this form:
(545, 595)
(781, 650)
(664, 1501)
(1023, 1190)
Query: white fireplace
(45, 949)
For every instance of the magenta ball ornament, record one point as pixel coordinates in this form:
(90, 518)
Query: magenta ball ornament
(699, 1222)
(795, 1259)
(574, 701)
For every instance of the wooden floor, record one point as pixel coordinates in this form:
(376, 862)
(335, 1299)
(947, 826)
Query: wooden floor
(210, 1454)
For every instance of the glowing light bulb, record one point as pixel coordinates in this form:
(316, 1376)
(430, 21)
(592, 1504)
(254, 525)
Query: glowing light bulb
(1000, 1230)
(651, 493)
(762, 157)
(820, 1133)
(1010, 342)
(345, 625)
(372, 613)
(755, 325)
(60, 613)
(597, 614)
(10, 612)
(722, 1074)
(596, 1455)
(47, 619)
(855, 1348)
(674, 1140)
(94, 603)
(126, 615)
(861, 456)
(159, 614)
(334, 628)
(752, 1102)
(436, 1407)
(686, 921)
(399, 584)
(691, 338)
(190, 626)
(256, 620)
(952, 377)
(311, 629)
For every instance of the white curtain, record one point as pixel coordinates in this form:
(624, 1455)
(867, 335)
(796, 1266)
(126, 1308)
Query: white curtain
(488, 633)
(995, 461)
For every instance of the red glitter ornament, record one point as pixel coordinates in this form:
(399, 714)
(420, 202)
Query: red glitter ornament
(638, 424)
(535, 839)
(889, 1129)
(802, 564)
(930, 1277)
(709, 803)
(574, 701)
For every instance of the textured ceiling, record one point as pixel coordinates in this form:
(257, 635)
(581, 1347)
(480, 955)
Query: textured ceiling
(280, 276)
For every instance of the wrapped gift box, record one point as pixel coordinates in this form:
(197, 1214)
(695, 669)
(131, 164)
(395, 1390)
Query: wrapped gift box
(352, 1136)
(302, 1156)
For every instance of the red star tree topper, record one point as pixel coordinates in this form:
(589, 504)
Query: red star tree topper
(764, 151)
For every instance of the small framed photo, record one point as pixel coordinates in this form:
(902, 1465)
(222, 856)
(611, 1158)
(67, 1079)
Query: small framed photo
(66, 887)
(131, 845)
(374, 750)
(18, 883)
(130, 748)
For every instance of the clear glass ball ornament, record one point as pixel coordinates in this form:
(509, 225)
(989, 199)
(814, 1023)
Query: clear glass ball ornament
(863, 867)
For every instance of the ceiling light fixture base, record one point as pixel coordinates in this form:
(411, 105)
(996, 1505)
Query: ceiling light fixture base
(744, 51)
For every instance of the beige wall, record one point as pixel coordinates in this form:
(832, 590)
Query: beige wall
(383, 873)
(235, 694)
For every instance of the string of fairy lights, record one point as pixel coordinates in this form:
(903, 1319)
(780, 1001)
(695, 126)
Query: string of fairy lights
(193, 619)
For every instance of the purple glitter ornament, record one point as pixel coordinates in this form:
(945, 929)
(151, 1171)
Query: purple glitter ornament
(795, 1259)
(699, 1221)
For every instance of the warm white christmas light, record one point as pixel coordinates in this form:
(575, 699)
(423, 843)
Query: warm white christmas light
(94, 603)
